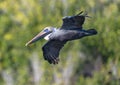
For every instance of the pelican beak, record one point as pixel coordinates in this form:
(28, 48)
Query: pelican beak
(37, 37)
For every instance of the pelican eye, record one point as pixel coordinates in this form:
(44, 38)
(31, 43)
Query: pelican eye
(46, 30)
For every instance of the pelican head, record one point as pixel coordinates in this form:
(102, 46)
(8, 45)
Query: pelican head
(43, 34)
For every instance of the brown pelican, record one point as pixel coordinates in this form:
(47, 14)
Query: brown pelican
(71, 29)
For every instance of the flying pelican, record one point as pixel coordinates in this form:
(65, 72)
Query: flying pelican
(71, 29)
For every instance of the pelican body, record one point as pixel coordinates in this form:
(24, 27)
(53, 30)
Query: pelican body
(71, 29)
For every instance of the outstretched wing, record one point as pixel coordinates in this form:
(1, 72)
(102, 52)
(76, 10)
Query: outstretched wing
(51, 50)
(72, 22)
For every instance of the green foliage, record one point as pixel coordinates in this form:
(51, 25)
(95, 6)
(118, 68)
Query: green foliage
(99, 55)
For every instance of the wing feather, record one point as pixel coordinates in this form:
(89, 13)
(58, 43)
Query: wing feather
(73, 23)
(51, 50)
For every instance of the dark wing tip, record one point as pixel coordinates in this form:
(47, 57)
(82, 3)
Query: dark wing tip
(84, 14)
(51, 59)
(79, 13)
(51, 51)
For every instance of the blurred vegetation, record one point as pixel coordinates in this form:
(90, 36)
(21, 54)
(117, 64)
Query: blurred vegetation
(89, 61)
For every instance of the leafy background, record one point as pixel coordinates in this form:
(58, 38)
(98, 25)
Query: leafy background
(89, 61)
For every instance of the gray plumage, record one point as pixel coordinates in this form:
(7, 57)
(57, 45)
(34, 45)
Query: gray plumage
(71, 29)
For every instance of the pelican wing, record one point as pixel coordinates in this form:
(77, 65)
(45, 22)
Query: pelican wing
(72, 22)
(51, 50)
